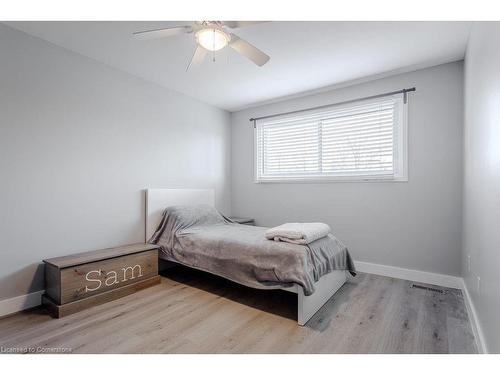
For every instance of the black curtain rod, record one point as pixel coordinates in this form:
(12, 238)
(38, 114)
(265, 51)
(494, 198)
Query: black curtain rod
(403, 91)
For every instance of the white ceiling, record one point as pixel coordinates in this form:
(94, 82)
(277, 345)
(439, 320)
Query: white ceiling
(304, 55)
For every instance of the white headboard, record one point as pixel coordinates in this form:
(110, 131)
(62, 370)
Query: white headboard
(159, 199)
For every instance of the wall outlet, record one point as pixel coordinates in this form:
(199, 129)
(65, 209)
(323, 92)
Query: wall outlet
(468, 263)
(478, 285)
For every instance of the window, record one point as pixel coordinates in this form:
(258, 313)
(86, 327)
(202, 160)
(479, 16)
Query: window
(365, 140)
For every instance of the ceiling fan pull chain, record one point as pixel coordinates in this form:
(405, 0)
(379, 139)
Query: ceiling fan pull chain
(213, 52)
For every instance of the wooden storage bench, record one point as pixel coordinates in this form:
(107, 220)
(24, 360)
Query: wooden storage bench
(76, 282)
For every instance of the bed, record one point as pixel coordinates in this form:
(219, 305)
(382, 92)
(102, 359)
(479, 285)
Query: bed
(191, 232)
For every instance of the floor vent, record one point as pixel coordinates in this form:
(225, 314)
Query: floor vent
(427, 288)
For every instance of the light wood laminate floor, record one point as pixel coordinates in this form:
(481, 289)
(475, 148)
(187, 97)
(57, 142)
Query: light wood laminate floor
(194, 312)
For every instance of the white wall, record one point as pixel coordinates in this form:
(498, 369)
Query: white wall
(79, 141)
(482, 177)
(414, 224)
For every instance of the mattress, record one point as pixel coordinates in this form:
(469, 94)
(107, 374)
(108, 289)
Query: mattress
(202, 238)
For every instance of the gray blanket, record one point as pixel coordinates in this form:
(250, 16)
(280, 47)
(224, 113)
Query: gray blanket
(202, 238)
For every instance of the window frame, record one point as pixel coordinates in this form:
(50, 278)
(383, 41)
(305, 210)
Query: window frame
(400, 151)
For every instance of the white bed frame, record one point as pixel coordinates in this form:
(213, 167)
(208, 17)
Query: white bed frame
(158, 199)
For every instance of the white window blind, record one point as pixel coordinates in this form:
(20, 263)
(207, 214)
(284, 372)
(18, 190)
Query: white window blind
(365, 140)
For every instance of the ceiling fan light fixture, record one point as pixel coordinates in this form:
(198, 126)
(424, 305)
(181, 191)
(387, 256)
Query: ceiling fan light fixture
(212, 38)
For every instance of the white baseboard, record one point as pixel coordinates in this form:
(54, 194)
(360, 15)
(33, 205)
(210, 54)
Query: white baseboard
(474, 321)
(448, 281)
(19, 303)
(12, 305)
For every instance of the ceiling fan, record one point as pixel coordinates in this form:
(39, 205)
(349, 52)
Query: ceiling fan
(211, 36)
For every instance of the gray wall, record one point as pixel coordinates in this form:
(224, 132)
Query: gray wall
(78, 143)
(482, 177)
(414, 224)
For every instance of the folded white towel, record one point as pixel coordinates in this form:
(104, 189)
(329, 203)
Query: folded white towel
(298, 233)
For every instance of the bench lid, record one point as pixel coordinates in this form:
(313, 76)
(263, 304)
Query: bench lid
(96, 255)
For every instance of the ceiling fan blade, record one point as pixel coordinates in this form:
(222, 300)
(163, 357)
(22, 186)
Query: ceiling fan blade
(236, 24)
(162, 33)
(246, 49)
(198, 56)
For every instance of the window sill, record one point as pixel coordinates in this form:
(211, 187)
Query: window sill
(331, 180)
